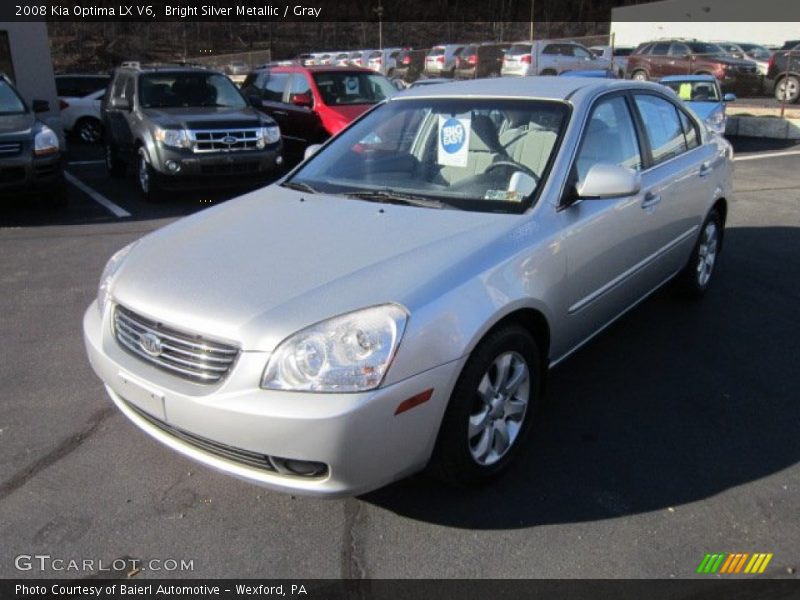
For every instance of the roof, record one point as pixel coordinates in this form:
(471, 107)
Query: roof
(316, 68)
(687, 78)
(555, 88)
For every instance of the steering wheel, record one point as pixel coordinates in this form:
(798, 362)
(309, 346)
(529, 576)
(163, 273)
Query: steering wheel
(514, 165)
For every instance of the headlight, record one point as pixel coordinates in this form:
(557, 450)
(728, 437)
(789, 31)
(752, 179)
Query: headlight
(348, 353)
(175, 138)
(106, 279)
(716, 121)
(268, 135)
(45, 142)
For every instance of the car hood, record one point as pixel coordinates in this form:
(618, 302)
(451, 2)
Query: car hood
(704, 109)
(258, 268)
(736, 62)
(209, 117)
(343, 115)
(13, 126)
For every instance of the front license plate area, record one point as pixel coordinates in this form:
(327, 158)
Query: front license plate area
(142, 396)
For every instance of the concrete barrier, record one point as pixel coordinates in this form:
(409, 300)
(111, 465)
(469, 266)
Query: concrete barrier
(763, 127)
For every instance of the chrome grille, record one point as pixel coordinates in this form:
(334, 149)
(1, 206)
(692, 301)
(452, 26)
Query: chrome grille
(189, 356)
(223, 140)
(10, 148)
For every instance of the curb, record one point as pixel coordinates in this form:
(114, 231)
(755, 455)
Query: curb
(763, 127)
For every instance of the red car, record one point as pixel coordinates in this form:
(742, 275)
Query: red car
(311, 104)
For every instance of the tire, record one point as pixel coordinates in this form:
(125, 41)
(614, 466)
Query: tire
(476, 407)
(89, 130)
(147, 178)
(789, 87)
(548, 73)
(114, 164)
(696, 277)
(639, 75)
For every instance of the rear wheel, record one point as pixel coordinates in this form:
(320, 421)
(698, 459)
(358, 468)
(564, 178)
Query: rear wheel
(89, 130)
(788, 89)
(698, 273)
(490, 410)
(548, 72)
(639, 75)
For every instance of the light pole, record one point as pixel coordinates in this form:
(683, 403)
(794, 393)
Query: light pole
(379, 11)
(531, 31)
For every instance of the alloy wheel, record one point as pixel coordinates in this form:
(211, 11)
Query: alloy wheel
(501, 402)
(707, 253)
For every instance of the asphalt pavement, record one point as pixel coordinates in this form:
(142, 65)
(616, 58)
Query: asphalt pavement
(673, 434)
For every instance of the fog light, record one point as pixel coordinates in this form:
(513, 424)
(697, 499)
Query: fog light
(173, 166)
(302, 468)
(279, 160)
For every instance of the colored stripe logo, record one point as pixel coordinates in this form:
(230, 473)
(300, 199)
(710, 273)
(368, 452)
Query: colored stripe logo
(734, 563)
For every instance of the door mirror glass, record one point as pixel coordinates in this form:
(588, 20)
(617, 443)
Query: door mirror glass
(311, 150)
(304, 100)
(605, 180)
(729, 98)
(120, 103)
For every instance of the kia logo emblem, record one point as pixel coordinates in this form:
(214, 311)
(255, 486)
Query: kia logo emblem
(151, 344)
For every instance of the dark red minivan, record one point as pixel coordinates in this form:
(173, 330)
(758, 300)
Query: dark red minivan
(310, 104)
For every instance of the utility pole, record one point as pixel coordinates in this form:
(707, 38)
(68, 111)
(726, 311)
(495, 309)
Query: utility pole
(379, 12)
(530, 37)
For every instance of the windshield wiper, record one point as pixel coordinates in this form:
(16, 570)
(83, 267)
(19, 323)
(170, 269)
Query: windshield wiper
(392, 197)
(300, 186)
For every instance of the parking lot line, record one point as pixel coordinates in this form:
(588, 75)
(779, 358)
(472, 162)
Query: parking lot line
(116, 210)
(766, 155)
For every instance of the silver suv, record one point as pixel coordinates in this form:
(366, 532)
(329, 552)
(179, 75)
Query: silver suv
(547, 57)
(441, 60)
(397, 300)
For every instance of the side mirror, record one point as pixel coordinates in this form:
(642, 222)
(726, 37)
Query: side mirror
(609, 181)
(40, 106)
(120, 103)
(311, 150)
(729, 97)
(304, 100)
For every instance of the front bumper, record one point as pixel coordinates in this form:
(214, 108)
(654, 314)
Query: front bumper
(359, 439)
(31, 175)
(200, 170)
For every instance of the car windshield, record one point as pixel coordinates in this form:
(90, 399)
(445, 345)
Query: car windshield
(191, 88)
(695, 91)
(488, 155)
(703, 48)
(756, 51)
(353, 87)
(10, 102)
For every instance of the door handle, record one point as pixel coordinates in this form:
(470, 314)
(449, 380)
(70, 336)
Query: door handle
(705, 169)
(650, 199)
(283, 113)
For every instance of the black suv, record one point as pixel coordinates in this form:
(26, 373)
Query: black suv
(30, 152)
(783, 74)
(185, 127)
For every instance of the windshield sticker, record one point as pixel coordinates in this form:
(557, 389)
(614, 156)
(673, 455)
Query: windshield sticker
(351, 86)
(454, 140)
(685, 91)
(503, 195)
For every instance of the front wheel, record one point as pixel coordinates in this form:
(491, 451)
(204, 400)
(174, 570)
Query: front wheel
(146, 177)
(788, 89)
(490, 410)
(698, 273)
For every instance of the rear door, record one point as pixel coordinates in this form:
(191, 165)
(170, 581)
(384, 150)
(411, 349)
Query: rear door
(300, 126)
(678, 61)
(658, 60)
(580, 58)
(273, 92)
(549, 60)
(116, 119)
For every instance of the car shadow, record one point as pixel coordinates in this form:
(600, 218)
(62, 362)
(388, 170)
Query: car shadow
(677, 402)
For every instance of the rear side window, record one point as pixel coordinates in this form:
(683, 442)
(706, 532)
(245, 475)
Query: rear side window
(273, 89)
(299, 85)
(609, 137)
(678, 50)
(660, 49)
(550, 49)
(663, 127)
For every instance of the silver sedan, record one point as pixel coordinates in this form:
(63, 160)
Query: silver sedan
(396, 301)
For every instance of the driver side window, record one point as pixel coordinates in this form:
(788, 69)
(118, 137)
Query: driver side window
(609, 137)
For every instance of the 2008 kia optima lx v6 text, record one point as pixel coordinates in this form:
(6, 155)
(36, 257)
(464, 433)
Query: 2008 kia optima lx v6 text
(396, 301)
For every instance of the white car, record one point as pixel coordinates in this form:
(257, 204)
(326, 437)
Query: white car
(80, 97)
